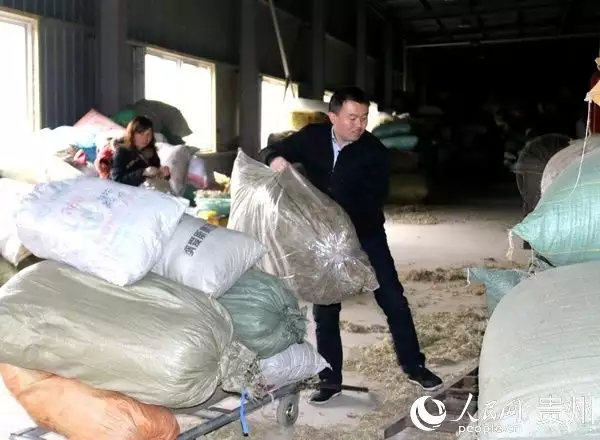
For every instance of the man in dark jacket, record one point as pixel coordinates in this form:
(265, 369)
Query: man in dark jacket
(351, 165)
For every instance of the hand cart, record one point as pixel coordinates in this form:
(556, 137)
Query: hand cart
(216, 417)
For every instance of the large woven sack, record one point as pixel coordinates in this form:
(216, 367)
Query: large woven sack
(113, 231)
(565, 157)
(156, 341)
(565, 225)
(393, 128)
(403, 142)
(78, 411)
(11, 194)
(497, 283)
(207, 257)
(266, 316)
(538, 370)
(311, 241)
(177, 158)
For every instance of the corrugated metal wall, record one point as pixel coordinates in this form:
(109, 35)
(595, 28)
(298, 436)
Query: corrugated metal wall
(73, 11)
(67, 72)
(67, 61)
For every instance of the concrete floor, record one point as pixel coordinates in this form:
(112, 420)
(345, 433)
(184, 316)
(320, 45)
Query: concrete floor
(464, 236)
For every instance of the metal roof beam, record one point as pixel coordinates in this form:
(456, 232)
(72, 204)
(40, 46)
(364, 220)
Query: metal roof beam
(461, 12)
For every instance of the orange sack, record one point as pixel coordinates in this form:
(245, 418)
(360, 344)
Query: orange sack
(79, 412)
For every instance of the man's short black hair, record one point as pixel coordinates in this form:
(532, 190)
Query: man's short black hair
(344, 94)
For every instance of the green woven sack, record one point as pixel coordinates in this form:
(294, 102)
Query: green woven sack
(497, 283)
(405, 142)
(392, 129)
(266, 316)
(565, 225)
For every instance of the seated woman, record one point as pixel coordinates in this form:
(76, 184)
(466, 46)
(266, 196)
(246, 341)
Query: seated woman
(135, 157)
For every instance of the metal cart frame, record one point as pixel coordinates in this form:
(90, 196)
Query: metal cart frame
(217, 417)
(288, 410)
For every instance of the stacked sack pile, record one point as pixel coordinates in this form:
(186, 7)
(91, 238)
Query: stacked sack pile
(536, 348)
(137, 308)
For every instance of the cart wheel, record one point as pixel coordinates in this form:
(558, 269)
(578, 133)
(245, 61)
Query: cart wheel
(288, 410)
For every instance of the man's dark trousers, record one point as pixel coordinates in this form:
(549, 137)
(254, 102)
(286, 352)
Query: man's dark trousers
(391, 299)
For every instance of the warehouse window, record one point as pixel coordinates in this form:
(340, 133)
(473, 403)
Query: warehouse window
(327, 96)
(18, 88)
(273, 98)
(187, 84)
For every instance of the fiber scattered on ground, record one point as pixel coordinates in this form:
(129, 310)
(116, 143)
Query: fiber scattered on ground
(351, 327)
(438, 275)
(410, 215)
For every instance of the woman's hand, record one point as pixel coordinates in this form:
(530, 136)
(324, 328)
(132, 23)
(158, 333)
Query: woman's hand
(164, 172)
(151, 172)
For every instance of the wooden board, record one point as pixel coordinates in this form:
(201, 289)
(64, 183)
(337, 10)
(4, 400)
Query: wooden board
(454, 397)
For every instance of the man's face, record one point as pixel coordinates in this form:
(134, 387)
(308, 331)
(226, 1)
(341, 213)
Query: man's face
(350, 122)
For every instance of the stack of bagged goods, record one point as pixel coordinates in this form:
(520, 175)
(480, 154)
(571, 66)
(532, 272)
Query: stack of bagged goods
(564, 227)
(397, 134)
(113, 231)
(11, 193)
(266, 315)
(156, 341)
(139, 307)
(311, 242)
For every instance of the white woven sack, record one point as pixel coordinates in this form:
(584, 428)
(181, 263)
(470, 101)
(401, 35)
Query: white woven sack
(538, 358)
(207, 257)
(11, 194)
(297, 363)
(113, 231)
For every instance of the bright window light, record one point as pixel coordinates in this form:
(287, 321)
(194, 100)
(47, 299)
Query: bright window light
(187, 84)
(274, 97)
(18, 88)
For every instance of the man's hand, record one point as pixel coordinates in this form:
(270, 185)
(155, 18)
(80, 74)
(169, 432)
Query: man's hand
(279, 164)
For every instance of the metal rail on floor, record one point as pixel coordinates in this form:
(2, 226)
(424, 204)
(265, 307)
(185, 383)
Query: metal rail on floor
(454, 397)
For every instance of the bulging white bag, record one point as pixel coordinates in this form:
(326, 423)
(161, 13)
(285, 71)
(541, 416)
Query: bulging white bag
(207, 257)
(11, 194)
(177, 158)
(113, 231)
(297, 363)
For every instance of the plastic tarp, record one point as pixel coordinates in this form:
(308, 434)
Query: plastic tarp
(311, 241)
(296, 363)
(497, 282)
(538, 370)
(113, 231)
(565, 157)
(11, 193)
(266, 315)
(77, 411)
(157, 341)
(207, 257)
(564, 226)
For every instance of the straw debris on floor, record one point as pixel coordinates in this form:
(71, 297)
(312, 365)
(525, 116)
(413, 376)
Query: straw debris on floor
(439, 275)
(410, 215)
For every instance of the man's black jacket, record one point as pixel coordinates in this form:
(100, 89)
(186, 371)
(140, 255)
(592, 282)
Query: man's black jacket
(358, 182)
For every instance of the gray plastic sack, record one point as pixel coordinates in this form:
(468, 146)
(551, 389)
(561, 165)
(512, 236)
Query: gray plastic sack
(497, 283)
(156, 341)
(312, 244)
(266, 316)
